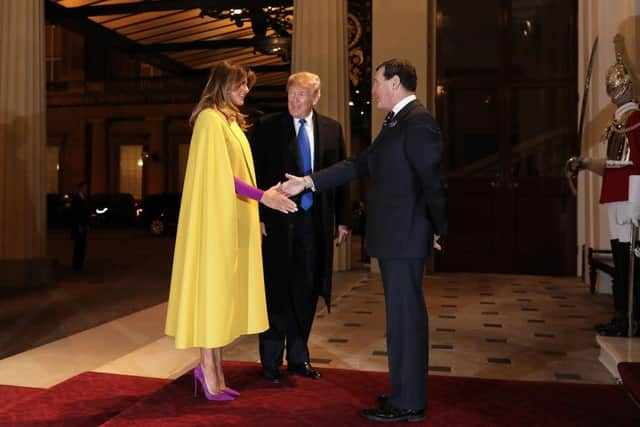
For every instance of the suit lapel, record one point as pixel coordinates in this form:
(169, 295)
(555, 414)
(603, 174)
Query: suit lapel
(292, 151)
(404, 112)
(397, 119)
(317, 134)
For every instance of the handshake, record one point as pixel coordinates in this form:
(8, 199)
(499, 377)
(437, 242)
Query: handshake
(277, 197)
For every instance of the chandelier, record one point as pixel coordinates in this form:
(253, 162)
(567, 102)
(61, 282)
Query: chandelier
(277, 18)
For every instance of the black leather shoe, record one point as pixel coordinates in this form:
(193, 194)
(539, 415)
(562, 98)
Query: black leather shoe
(599, 326)
(381, 400)
(271, 374)
(618, 322)
(389, 413)
(305, 369)
(618, 329)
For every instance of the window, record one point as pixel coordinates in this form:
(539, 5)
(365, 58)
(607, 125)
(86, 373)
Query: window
(53, 56)
(131, 165)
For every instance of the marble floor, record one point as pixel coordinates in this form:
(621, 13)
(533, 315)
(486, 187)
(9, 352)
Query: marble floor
(110, 319)
(510, 327)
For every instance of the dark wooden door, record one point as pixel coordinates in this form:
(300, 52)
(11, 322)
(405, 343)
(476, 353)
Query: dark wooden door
(506, 102)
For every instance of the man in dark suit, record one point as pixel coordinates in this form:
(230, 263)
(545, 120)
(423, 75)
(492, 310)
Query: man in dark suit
(79, 225)
(406, 215)
(297, 249)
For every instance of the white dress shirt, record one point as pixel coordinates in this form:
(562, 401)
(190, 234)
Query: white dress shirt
(403, 102)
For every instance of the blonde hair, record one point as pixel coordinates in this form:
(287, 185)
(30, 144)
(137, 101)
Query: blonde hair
(306, 79)
(224, 76)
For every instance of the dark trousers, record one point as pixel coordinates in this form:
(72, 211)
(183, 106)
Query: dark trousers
(620, 282)
(407, 331)
(290, 320)
(79, 249)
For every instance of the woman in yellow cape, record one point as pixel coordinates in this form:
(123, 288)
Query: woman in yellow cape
(217, 287)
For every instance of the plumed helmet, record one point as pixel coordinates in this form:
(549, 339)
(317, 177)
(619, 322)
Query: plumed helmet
(618, 76)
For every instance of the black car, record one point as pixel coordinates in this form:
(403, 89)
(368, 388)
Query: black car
(112, 210)
(159, 212)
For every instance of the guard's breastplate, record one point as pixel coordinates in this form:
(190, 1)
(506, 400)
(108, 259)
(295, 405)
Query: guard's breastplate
(616, 137)
(618, 146)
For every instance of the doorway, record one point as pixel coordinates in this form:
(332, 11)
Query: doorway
(507, 104)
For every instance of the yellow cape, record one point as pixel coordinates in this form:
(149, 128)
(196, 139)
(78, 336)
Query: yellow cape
(217, 285)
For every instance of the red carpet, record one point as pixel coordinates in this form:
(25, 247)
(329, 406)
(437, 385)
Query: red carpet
(12, 395)
(88, 399)
(630, 375)
(93, 399)
(335, 400)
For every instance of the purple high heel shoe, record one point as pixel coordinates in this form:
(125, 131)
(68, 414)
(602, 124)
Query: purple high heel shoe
(198, 377)
(231, 392)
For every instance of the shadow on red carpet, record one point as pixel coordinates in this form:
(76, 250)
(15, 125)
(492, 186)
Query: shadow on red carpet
(93, 399)
(12, 395)
(88, 399)
(336, 399)
(630, 375)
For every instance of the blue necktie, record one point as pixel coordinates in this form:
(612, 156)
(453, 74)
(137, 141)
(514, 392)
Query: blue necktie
(305, 156)
(387, 119)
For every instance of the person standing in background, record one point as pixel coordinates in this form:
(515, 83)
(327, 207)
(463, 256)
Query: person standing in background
(622, 137)
(79, 225)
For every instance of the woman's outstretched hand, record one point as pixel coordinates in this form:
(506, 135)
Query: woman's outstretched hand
(276, 199)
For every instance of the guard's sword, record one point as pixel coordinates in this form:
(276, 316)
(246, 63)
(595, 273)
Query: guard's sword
(572, 166)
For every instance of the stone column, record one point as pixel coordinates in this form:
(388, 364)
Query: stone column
(319, 45)
(154, 165)
(99, 157)
(23, 253)
(602, 19)
(391, 24)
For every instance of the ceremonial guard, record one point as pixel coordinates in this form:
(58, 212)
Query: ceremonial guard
(622, 137)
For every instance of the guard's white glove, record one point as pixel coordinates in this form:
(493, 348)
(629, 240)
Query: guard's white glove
(633, 203)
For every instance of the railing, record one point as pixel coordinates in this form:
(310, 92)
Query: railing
(537, 145)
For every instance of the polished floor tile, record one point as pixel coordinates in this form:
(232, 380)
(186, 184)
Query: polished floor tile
(481, 325)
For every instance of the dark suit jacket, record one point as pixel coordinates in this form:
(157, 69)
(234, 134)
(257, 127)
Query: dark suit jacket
(275, 152)
(406, 196)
